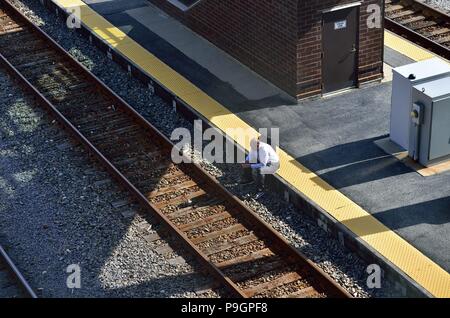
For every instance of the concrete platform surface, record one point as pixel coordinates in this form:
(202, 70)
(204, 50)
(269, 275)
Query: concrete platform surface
(333, 136)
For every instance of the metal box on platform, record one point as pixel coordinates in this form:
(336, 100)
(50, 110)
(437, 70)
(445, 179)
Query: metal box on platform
(404, 78)
(430, 122)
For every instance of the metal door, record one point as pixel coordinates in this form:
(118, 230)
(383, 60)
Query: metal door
(340, 49)
(440, 129)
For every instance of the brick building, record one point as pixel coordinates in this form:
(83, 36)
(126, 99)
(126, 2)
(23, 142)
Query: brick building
(305, 47)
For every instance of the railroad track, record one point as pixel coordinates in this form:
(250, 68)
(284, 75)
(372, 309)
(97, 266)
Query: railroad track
(421, 23)
(12, 283)
(234, 245)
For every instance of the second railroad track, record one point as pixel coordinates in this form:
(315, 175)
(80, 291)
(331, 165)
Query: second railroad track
(421, 23)
(12, 282)
(241, 251)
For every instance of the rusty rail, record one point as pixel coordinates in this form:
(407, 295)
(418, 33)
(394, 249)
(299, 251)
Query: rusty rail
(420, 23)
(300, 271)
(16, 275)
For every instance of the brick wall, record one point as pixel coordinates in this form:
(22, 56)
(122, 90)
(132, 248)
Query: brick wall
(309, 47)
(279, 39)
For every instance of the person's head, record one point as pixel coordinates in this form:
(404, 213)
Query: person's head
(254, 143)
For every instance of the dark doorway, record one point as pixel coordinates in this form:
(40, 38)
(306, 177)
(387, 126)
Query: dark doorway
(340, 48)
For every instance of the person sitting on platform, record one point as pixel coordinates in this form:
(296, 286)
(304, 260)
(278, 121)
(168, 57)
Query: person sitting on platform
(264, 159)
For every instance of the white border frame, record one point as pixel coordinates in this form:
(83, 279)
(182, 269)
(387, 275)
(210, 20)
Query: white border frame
(181, 6)
(341, 7)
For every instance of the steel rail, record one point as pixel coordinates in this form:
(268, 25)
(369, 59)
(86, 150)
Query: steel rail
(12, 268)
(417, 37)
(280, 245)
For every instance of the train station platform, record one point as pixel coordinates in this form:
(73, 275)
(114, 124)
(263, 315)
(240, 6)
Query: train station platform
(327, 145)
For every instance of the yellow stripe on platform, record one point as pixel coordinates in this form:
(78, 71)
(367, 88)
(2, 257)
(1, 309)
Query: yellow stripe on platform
(385, 241)
(406, 47)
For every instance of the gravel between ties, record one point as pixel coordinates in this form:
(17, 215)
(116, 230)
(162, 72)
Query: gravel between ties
(441, 4)
(342, 265)
(48, 190)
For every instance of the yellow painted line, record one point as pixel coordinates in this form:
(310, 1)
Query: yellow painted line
(407, 48)
(385, 241)
(69, 4)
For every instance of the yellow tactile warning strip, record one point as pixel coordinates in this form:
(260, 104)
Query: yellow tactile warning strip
(386, 242)
(406, 47)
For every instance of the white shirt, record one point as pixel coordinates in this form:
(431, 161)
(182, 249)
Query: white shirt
(266, 154)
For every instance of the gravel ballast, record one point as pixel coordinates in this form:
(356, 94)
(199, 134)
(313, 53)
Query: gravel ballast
(341, 264)
(58, 209)
(441, 4)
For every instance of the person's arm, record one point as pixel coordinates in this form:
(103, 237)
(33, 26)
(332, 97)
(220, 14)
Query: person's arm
(263, 159)
(247, 163)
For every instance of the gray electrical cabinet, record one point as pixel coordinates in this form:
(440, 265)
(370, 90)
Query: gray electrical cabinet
(430, 122)
(404, 79)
